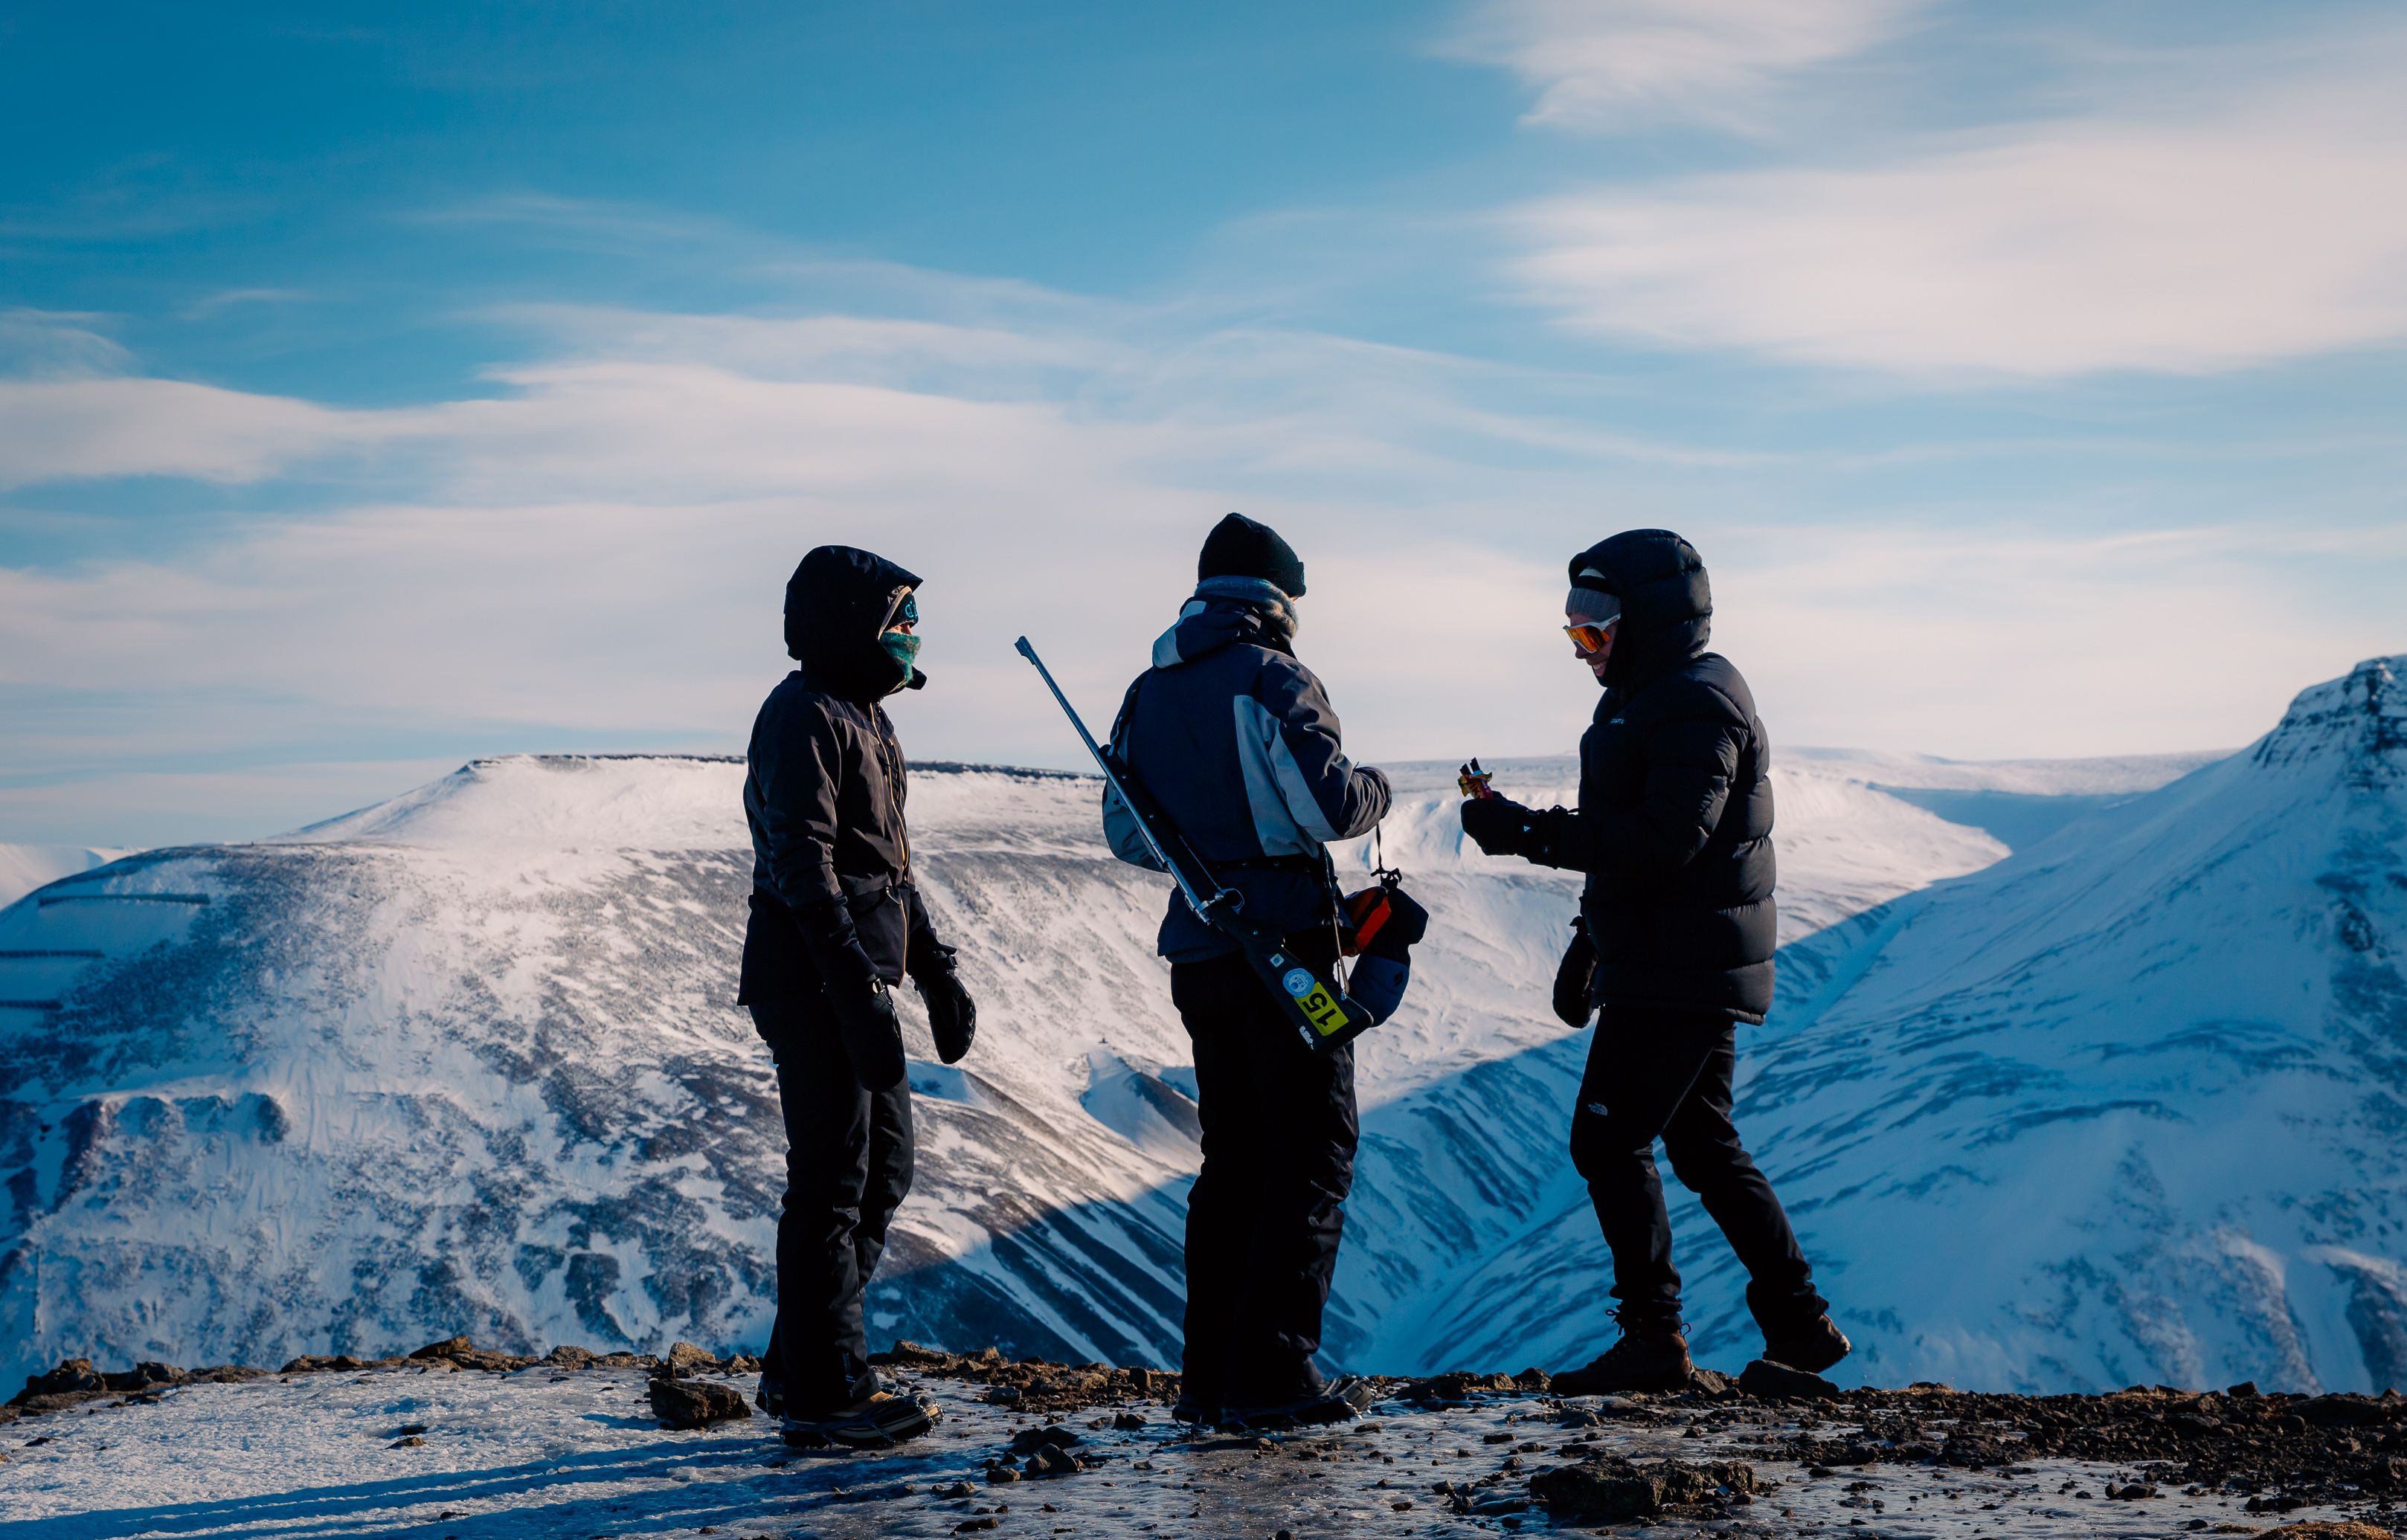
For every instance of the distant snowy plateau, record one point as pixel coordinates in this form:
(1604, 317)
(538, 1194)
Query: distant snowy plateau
(2123, 1103)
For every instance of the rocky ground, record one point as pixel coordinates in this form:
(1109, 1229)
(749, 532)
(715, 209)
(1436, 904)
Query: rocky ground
(455, 1442)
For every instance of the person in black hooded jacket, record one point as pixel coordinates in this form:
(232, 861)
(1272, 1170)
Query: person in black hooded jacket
(836, 921)
(1674, 940)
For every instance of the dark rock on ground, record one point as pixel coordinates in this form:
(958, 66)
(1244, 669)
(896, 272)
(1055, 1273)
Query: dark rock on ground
(1052, 1459)
(144, 1374)
(1030, 1440)
(72, 1375)
(1610, 1490)
(696, 1403)
(1035, 1385)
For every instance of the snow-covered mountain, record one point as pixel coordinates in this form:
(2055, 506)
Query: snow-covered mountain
(467, 1060)
(25, 867)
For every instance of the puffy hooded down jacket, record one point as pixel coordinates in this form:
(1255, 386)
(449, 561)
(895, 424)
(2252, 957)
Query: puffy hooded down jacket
(1674, 827)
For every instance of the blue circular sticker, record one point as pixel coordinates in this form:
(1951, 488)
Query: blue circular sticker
(1298, 982)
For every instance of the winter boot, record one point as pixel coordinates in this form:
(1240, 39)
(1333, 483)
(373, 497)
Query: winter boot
(1296, 1397)
(1195, 1409)
(1650, 1356)
(1340, 1400)
(880, 1422)
(1813, 1346)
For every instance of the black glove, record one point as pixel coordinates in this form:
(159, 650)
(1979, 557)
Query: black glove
(871, 1032)
(1576, 980)
(1497, 825)
(952, 1015)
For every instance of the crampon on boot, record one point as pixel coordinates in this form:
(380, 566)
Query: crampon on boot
(1650, 1356)
(1812, 1346)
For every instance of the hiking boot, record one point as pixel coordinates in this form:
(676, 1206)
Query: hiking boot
(771, 1396)
(880, 1422)
(1813, 1346)
(1197, 1408)
(1647, 1358)
(1340, 1400)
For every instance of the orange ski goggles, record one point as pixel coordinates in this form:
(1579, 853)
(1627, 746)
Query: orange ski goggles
(1592, 637)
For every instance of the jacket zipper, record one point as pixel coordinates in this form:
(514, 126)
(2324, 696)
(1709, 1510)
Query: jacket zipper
(890, 755)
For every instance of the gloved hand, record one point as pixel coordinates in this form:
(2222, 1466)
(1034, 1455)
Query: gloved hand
(1497, 825)
(871, 1032)
(1576, 980)
(952, 1015)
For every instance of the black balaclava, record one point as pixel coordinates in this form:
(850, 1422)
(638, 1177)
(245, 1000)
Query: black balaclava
(1667, 605)
(837, 602)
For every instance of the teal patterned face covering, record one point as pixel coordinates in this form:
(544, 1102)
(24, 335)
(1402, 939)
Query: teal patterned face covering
(901, 645)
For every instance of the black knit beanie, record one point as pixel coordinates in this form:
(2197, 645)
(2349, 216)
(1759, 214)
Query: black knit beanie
(1239, 547)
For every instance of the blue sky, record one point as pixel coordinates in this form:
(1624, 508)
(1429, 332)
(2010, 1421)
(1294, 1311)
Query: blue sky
(381, 389)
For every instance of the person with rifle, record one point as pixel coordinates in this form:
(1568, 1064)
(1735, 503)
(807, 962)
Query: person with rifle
(1233, 741)
(1674, 941)
(837, 924)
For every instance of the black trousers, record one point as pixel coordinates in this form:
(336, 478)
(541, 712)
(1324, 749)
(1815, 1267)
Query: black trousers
(847, 1168)
(1658, 1074)
(1267, 1213)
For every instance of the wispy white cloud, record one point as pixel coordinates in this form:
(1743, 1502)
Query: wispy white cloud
(2186, 241)
(228, 298)
(597, 550)
(1599, 64)
(137, 427)
(54, 343)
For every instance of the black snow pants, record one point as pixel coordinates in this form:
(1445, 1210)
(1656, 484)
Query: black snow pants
(1267, 1213)
(1666, 1074)
(847, 1168)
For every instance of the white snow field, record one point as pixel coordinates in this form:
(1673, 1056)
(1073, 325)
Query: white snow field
(25, 867)
(2108, 1109)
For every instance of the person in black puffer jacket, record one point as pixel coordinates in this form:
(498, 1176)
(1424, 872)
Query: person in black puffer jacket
(836, 921)
(1674, 940)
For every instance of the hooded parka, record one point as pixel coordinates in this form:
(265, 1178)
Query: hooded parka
(1674, 827)
(832, 899)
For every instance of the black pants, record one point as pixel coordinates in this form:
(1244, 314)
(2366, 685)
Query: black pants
(847, 1168)
(1264, 1220)
(1658, 1074)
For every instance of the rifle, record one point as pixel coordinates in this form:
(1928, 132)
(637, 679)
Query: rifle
(1316, 1008)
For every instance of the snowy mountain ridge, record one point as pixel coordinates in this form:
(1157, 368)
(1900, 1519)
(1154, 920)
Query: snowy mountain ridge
(464, 1062)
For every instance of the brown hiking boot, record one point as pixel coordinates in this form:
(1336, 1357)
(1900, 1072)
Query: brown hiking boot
(1813, 1346)
(1647, 1358)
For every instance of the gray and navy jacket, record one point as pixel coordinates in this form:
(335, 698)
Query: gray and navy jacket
(1236, 742)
